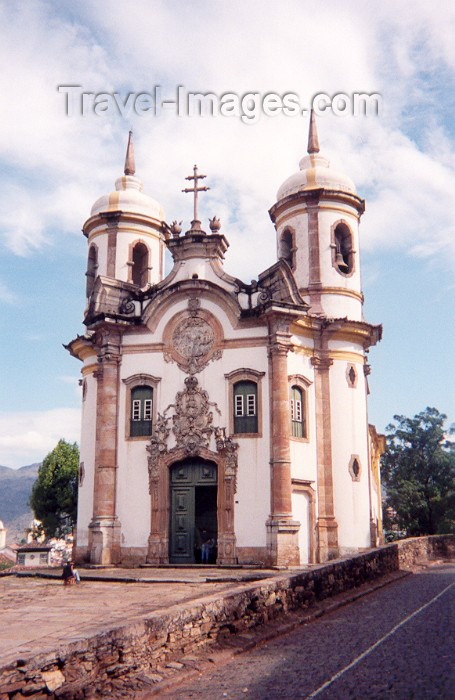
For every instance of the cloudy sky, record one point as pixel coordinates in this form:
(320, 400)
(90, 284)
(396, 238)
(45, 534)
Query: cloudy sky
(53, 166)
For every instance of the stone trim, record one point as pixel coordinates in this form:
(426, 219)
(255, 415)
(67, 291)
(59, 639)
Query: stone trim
(327, 526)
(336, 290)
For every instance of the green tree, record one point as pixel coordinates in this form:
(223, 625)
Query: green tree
(54, 493)
(418, 472)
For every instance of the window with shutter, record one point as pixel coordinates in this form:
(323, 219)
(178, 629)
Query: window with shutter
(298, 427)
(141, 411)
(245, 407)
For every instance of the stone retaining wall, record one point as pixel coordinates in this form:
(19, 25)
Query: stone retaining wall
(85, 667)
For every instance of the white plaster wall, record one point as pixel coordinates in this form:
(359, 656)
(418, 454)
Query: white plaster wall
(252, 501)
(301, 512)
(87, 456)
(349, 437)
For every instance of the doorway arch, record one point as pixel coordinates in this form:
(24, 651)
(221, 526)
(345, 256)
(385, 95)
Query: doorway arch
(193, 521)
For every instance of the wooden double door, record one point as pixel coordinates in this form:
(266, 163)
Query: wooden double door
(193, 516)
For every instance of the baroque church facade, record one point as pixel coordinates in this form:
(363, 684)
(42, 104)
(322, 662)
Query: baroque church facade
(220, 413)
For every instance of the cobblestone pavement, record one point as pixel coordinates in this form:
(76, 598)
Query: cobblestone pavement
(38, 614)
(415, 658)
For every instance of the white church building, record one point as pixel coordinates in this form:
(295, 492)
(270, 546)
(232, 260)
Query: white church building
(220, 413)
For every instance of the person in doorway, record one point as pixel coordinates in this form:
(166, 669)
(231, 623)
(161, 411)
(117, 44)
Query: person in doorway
(206, 547)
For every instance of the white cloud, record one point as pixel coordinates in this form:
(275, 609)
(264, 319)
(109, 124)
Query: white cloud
(6, 295)
(28, 436)
(60, 165)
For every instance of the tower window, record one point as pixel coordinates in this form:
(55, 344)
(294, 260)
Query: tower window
(140, 264)
(287, 250)
(92, 266)
(141, 411)
(298, 422)
(343, 249)
(245, 407)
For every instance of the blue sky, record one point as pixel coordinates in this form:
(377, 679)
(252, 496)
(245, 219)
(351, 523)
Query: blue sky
(53, 167)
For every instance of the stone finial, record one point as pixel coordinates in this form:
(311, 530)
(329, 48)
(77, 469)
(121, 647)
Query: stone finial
(214, 224)
(176, 228)
(130, 166)
(313, 141)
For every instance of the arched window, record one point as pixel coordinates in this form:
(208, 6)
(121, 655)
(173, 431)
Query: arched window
(140, 264)
(298, 418)
(92, 266)
(141, 411)
(344, 254)
(245, 407)
(287, 247)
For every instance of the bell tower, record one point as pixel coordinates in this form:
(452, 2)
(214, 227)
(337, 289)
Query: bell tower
(316, 217)
(124, 232)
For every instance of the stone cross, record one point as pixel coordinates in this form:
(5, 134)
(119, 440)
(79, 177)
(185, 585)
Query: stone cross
(195, 189)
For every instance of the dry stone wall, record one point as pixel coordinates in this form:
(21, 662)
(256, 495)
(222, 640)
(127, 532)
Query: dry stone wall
(86, 667)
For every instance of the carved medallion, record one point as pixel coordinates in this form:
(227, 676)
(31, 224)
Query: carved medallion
(193, 338)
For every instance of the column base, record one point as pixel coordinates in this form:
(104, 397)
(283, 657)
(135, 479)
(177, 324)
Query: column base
(158, 550)
(327, 530)
(282, 541)
(226, 549)
(104, 540)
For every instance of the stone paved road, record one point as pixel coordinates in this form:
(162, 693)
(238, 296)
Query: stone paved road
(415, 660)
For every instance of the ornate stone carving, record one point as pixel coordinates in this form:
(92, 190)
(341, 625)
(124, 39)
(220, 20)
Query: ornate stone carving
(192, 425)
(192, 421)
(156, 447)
(192, 342)
(193, 338)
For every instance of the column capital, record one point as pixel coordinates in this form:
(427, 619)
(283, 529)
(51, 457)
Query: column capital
(321, 363)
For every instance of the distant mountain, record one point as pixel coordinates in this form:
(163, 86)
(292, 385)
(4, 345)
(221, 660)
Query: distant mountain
(15, 490)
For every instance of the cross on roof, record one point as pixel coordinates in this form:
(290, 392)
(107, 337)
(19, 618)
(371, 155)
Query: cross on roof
(195, 189)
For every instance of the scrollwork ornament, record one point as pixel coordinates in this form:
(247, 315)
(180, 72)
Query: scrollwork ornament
(126, 306)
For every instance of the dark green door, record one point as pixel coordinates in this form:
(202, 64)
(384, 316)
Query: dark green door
(193, 509)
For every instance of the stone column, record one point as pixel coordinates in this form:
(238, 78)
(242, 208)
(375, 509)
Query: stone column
(327, 527)
(104, 540)
(314, 261)
(282, 530)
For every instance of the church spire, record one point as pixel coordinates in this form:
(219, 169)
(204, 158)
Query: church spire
(130, 167)
(313, 141)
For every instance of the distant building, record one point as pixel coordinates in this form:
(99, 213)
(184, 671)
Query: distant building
(218, 406)
(34, 555)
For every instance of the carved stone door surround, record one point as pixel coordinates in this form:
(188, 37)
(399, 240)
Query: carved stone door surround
(195, 435)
